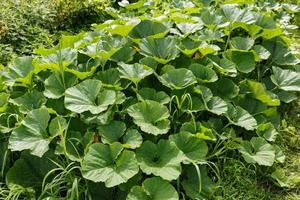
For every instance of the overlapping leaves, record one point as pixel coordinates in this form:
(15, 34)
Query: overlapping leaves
(143, 101)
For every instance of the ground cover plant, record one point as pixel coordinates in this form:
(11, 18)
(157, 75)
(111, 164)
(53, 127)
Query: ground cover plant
(145, 106)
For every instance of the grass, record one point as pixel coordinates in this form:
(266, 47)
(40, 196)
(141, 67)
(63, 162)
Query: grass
(242, 181)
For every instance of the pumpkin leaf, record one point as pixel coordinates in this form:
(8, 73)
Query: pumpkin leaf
(150, 116)
(161, 159)
(258, 151)
(109, 163)
(155, 189)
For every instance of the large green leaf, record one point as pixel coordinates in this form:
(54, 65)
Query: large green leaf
(161, 159)
(225, 88)
(163, 50)
(88, 96)
(153, 189)
(242, 43)
(203, 74)
(224, 65)
(233, 13)
(148, 28)
(245, 61)
(240, 117)
(135, 72)
(150, 116)
(111, 78)
(56, 84)
(58, 59)
(286, 79)
(212, 103)
(194, 148)
(259, 92)
(105, 48)
(29, 171)
(152, 94)
(257, 151)
(199, 130)
(112, 132)
(196, 183)
(115, 131)
(20, 70)
(29, 101)
(109, 163)
(122, 28)
(32, 133)
(178, 78)
(280, 53)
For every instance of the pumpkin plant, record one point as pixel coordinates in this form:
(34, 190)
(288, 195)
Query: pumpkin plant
(140, 107)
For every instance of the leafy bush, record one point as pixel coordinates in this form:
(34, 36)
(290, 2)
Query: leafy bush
(142, 107)
(26, 25)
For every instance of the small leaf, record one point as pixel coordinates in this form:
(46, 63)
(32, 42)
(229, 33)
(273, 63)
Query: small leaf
(224, 65)
(132, 139)
(199, 130)
(21, 70)
(3, 101)
(110, 78)
(57, 126)
(258, 151)
(267, 131)
(261, 52)
(279, 176)
(105, 48)
(212, 103)
(153, 189)
(279, 155)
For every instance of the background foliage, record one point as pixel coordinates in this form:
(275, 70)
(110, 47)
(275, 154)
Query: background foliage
(29, 24)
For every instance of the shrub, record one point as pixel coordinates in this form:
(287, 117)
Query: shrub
(142, 106)
(26, 25)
